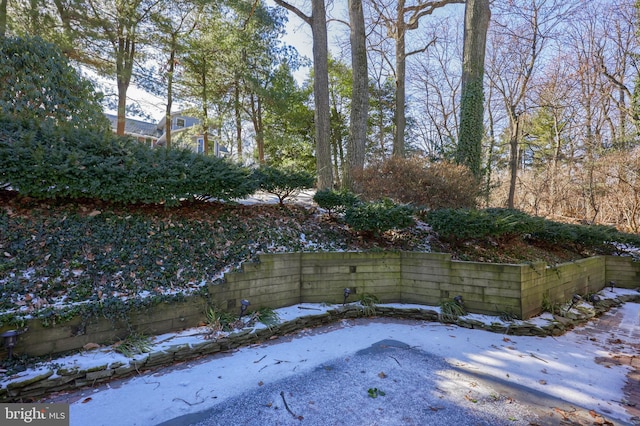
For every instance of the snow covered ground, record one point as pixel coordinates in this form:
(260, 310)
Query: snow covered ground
(376, 372)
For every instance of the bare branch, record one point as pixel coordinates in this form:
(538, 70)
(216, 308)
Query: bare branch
(306, 18)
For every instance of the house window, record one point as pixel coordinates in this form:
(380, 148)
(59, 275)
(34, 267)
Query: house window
(200, 145)
(179, 122)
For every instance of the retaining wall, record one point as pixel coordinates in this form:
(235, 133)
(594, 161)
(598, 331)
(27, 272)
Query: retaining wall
(279, 280)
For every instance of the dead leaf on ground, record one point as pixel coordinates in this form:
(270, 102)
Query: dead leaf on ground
(84, 401)
(90, 346)
(468, 398)
(562, 413)
(382, 375)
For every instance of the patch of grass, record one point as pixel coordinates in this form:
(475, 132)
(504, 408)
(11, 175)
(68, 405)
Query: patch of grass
(267, 316)
(368, 302)
(450, 311)
(134, 344)
(548, 306)
(218, 320)
(508, 316)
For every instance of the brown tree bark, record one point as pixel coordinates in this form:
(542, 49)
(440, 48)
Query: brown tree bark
(356, 142)
(318, 23)
(476, 24)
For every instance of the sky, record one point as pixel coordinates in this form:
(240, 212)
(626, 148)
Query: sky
(374, 371)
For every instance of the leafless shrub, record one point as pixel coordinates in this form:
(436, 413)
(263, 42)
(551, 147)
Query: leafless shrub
(419, 182)
(604, 191)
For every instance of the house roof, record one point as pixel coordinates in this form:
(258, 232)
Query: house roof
(135, 127)
(156, 130)
(181, 113)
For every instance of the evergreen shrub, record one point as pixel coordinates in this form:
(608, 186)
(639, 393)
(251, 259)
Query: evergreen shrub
(458, 225)
(463, 224)
(378, 216)
(335, 201)
(282, 182)
(39, 87)
(52, 162)
(55, 141)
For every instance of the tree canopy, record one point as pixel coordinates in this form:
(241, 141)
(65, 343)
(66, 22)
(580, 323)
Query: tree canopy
(559, 86)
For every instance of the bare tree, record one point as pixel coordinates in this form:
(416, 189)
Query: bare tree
(520, 33)
(398, 18)
(617, 60)
(436, 77)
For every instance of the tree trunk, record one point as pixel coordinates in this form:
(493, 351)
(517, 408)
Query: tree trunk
(514, 120)
(260, 133)
(401, 62)
(321, 94)
(490, 152)
(167, 115)
(122, 107)
(476, 24)
(318, 23)
(335, 146)
(125, 50)
(236, 105)
(258, 128)
(205, 112)
(3, 17)
(356, 142)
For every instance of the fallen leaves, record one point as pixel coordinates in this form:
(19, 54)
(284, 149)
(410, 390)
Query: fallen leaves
(90, 346)
(598, 419)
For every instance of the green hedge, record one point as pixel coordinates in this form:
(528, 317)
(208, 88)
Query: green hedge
(458, 225)
(463, 224)
(49, 162)
(379, 216)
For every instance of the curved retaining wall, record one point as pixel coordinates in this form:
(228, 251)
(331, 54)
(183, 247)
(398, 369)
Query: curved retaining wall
(424, 278)
(280, 280)
(58, 379)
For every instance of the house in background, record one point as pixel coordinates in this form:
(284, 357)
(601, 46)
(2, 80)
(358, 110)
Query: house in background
(184, 133)
(142, 131)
